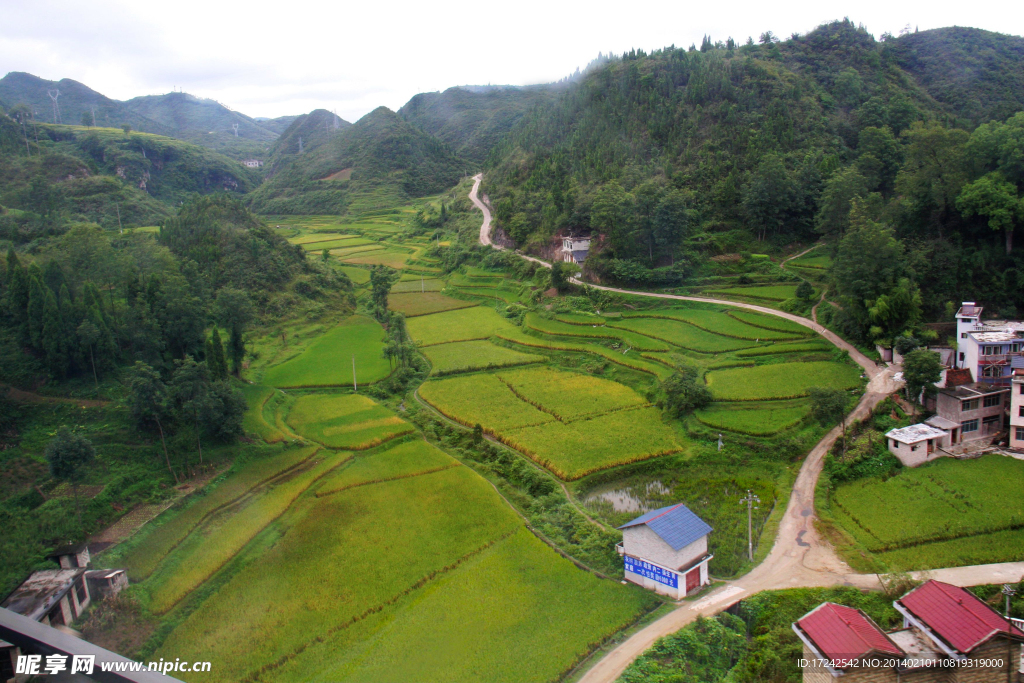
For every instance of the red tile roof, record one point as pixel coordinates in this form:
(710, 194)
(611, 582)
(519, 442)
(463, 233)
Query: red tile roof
(956, 616)
(845, 633)
(956, 377)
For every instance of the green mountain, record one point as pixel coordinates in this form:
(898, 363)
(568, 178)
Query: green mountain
(205, 122)
(471, 120)
(978, 75)
(77, 103)
(674, 157)
(341, 166)
(278, 125)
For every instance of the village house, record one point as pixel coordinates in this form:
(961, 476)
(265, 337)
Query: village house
(1017, 410)
(917, 443)
(666, 550)
(978, 408)
(252, 163)
(575, 249)
(947, 636)
(990, 349)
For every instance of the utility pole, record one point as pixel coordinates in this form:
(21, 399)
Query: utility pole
(750, 499)
(118, 209)
(355, 387)
(1009, 591)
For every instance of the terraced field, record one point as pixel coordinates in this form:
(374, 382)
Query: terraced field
(754, 418)
(767, 293)
(416, 303)
(447, 359)
(327, 361)
(683, 335)
(561, 329)
(780, 380)
(722, 323)
(348, 421)
(461, 325)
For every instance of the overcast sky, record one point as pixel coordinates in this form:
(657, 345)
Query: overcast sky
(272, 59)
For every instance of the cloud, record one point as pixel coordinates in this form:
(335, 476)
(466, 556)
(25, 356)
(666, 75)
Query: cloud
(354, 56)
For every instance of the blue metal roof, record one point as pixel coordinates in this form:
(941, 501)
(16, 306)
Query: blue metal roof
(674, 524)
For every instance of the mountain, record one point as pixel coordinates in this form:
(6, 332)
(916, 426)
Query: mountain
(471, 120)
(278, 125)
(339, 165)
(978, 75)
(77, 103)
(205, 122)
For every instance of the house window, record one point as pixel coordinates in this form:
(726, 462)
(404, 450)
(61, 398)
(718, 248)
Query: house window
(913, 447)
(994, 400)
(991, 371)
(993, 420)
(961, 355)
(1015, 347)
(963, 335)
(1020, 411)
(969, 405)
(990, 350)
(80, 591)
(1020, 434)
(969, 426)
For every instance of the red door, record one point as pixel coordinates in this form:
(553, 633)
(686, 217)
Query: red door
(692, 579)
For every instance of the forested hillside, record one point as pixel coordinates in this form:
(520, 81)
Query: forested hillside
(473, 120)
(51, 176)
(681, 155)
(379, 155)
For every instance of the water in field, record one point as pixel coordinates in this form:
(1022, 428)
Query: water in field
(639, 497)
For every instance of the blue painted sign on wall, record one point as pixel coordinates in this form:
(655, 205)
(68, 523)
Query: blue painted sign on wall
(651, 571)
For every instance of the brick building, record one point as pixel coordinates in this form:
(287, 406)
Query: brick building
(948, 636)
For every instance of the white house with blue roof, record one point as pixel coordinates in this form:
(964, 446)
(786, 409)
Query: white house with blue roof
(666, 550)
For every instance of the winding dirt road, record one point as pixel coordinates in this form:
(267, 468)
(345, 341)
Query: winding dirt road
(799, 557)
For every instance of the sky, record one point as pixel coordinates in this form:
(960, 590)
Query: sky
(274, 59)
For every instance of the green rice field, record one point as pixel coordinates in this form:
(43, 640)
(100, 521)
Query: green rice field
(418, 285)
(416, 303)
(792, 347)
(404, 460)
(569, 395)
(327, 361)
(481, 399)
(769, 293)
(359, 276)
(922, 517)
(554, 327)
(755, 419)
(721, 323)
(682, 334)
(460, 325)
(454, 357)
(768, 322)
(348, 421)
(255, 421)
(780, 380)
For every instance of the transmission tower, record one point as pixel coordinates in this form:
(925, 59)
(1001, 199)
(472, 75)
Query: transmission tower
(300, 145)
(54, 94)
(337, 121)
(235, 126)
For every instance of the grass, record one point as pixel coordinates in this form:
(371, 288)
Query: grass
(254, 421)
(460, 325)
(768, 322)
(327, 361)
(801, 347)
(999, 546)
(773, 293)
(481, 399)
(546, 616)
(404, 460)
(359, 276)
(341, 560)
(780, 380)
(569, 395)
(579, 448)
(171, 528)
(417, 303)
(913, 517)
(454, 357)
(719, 322)
(348, 421)
(426, 285)
(554, 327)
(210, 551)
(683, 335)
(755, 419)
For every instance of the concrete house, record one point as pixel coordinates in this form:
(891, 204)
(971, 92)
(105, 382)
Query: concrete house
(1017, 410)
(978, 408)
(104, 583)
(990, 349)
(916, 444)
(71, 556)
(252, 163)
(944, 626)
(575, 249)
(55, 597)
(666, 550)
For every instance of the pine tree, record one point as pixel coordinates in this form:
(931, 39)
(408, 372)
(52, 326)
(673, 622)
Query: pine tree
(53, 276)
(51, 338)
(36, 310)
(12, 264)
(17, 299)
(215, 358)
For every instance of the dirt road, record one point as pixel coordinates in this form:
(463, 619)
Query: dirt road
(799, 557)
(485, 227)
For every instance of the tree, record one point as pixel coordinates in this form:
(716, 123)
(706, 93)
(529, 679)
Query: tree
(671, 220)
(235, 314)
(829, 406)
(561, 273)
(934, 170)
(804, 290)
(995, 198)
(36, 308)
(769, 196)
(68, 454)
(215, 358)
(833, 217)
(684, 392)
(126, 127)
(868, 264)
(895, 311)
(325, 255)
(382, 278)
(52, 338)
(190, 393)
(921, 369)
(89, 335)
(148, 402)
